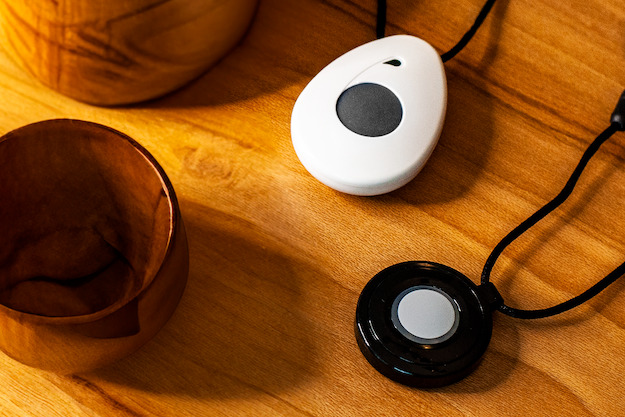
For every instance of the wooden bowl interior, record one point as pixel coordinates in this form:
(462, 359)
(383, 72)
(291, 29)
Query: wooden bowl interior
(85, 220)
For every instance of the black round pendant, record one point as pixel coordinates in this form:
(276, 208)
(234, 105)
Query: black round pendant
(424, 324)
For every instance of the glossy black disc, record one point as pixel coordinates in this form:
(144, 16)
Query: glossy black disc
(424, 324)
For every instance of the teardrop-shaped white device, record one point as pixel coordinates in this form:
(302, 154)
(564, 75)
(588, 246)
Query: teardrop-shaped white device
(368, 122)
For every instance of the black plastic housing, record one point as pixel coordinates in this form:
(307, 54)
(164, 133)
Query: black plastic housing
(416, 364)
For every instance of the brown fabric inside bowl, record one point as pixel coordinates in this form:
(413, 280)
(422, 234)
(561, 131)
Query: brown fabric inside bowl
(85, 219)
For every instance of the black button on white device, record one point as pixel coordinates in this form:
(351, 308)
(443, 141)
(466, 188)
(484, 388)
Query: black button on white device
(369, 109)
(423, 324)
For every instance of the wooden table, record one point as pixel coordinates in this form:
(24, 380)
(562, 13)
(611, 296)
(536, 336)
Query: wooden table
(278, 260)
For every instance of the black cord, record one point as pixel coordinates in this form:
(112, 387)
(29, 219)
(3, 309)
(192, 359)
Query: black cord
(617, 124)
(467, 36)
(381, 19)
(381, 24)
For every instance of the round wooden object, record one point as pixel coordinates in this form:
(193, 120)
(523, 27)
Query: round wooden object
(111, 52)
(93, 255)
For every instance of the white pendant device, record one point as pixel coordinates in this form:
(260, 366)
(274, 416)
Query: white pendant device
(368, 122)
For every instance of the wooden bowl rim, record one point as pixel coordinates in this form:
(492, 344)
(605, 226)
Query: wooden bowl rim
(174, 220)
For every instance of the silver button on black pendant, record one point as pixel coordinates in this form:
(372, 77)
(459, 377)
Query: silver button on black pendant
(424, 324)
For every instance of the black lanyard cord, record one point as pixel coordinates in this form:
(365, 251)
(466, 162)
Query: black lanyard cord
(381, 24)
(467, 36)
(618, 124)
(380, 19)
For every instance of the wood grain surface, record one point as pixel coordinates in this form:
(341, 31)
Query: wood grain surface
(277, 260)
(112, 52)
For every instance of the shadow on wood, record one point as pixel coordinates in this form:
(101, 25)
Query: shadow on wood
(240, 328)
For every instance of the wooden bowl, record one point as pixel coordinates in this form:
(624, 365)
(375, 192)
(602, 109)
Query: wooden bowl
(93, 255)
(111, 52)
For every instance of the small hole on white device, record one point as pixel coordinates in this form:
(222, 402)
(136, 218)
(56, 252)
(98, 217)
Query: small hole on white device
(394, 62)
